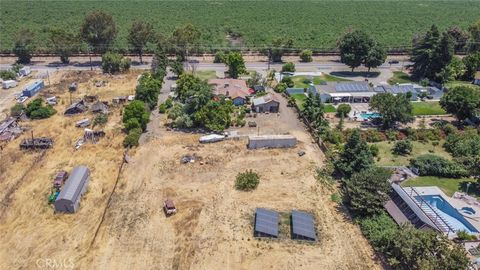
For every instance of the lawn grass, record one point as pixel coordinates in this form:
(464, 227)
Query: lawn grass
(206, 74)
(317, 80)
(427, 108)
(299, 99)
(399, 77)
(386, 158)
(453, 84)
(447, 185)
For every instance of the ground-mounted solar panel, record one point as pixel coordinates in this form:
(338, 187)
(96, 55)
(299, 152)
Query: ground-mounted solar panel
(303, 226)
(266, 223)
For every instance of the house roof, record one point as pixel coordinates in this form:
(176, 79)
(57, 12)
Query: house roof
(232, 88)
(264, 100)
(74, 184)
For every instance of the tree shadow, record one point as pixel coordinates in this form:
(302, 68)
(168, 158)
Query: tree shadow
(87, 64)
(349, 74)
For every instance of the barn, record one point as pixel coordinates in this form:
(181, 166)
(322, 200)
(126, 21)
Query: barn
(68, 201)
(271, 141)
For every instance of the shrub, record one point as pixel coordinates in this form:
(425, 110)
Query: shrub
(374, 149)
(288, 67)
(372, 135)
(219, 57)
(36, 110)
(402, 148)
(7, 75)
(100, 119)
(464, 235)
(132, 137)
(162, 108)
(432, 165)
(306, 56)
(391, 135)
(247, 180)
(132, 123)
(343, 109)
(449, 129)
(168, 103)
(280, 88)
(332, 136)
(17, 110)
(114, 63)
(288, 81)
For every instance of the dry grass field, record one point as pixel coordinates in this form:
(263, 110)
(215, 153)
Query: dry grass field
(213, 228)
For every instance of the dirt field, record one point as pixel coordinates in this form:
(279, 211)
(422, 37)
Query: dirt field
(213, 228)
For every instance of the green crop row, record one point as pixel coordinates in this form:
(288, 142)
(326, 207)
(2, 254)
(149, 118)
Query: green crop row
(314, 24)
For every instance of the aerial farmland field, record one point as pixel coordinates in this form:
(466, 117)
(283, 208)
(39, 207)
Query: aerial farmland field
(314, 24)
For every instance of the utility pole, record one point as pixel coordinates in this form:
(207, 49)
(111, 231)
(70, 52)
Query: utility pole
(269, 55)
(90, 56)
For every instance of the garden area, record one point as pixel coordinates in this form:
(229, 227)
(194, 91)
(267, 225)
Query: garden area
(427, 108)
(447, 185)
(387, 158)
(300, 99)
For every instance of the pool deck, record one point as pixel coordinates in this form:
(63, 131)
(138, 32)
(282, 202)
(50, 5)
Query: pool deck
(456, 203)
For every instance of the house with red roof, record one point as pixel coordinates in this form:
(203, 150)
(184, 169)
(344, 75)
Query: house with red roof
(236, 90)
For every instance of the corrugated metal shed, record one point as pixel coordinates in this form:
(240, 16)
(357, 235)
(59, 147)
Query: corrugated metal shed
(69, 198)
(271, 141)
(303, 226)
(266, 223)
(33, 88)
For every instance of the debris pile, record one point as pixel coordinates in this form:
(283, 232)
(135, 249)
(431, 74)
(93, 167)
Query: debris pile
(9, 129)
(36, 143)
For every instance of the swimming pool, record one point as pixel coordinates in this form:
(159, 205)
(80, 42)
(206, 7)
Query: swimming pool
(448, 213)
(370, 115)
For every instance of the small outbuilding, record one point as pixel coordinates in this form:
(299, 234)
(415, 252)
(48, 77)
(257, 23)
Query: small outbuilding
(267, 103)
(76, 108)
(33, 88)
(271, 141)
(9, 84)
(99, 107)
(68, 201)
(25, 71)
(303, 226)
(266, 223)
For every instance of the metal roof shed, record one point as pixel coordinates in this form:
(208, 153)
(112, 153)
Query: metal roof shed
(266, 223)
(69, 198)
(303, 226)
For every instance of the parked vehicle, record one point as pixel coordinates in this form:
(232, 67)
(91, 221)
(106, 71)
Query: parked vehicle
(60, 179)
(53, 196)
(9, 84)
(22, 99)
(169, 207)
(391, 62)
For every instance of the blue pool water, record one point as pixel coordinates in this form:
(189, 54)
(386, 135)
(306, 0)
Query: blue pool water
(468, 210)
(370, 115)
(448, 213)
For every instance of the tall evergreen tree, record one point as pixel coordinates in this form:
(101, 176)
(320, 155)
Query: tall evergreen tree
(423, 50)
(355, 157)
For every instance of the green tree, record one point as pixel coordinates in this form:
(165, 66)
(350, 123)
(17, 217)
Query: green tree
(459, 36)
(247, 180)
(148, 89)
(220, 57)
(461, 101)
(114, 63)
(288, 67)
(215, 116)
(306, 56)
(98, 30)
(24, 46)
(367, 191)
(159, 61)
(403, 147)
(375, 57)
(17, 110)
(343, 109)
(313, 110)
(235, 64)
(280, 88)
(255, 79)
(474, 30)
(279, 46)
(422, 53)
(392, 108)
(177, 67)
(136, 109)
(287, 80)
(132, 137)
(7, 75)
(354, 48)
(64, 43)
(355, 156)
(379, 230)
(141, 33)
(36, 110)
(441, 57)
(183, 38)
(472, 64)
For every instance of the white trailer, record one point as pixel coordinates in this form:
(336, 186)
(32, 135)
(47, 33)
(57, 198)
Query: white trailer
(271, 141)
(211, 138)
(9, 84)
(25, 71)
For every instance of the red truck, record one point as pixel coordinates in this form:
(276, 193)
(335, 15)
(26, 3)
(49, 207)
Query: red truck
(60, 179)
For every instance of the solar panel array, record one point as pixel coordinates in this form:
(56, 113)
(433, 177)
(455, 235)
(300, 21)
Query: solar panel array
(266, 222)
(303, 226)
(352, 87)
